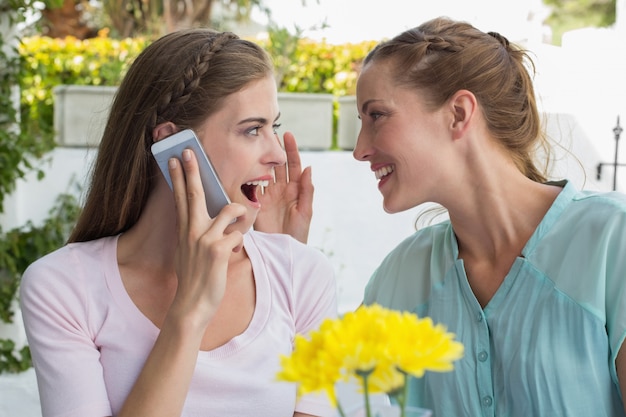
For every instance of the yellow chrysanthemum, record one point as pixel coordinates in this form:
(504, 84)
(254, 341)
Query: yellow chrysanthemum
(372, 342)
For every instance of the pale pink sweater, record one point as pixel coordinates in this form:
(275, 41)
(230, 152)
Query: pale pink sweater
(89, 341)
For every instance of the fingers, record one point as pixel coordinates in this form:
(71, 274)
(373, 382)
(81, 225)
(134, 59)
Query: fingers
(190, 200)
(180, 194)
(305, 200)
(195, 193)
(294, 165)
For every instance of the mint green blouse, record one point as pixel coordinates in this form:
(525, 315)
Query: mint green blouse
(546, 343)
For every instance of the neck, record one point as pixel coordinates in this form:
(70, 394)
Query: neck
(497, 209)
(153, 239)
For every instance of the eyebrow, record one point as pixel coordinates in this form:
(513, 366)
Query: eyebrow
(260, 120)
(367, 103)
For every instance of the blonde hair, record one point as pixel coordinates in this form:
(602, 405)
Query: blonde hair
(442, 56)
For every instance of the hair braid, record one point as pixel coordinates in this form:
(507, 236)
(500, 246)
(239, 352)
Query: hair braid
(191, 78)
(181, 78)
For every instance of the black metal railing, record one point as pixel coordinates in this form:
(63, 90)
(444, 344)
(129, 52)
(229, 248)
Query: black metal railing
(617, 130)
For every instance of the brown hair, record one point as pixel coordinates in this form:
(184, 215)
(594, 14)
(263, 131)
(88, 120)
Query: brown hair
(442, 56)
(181, 78)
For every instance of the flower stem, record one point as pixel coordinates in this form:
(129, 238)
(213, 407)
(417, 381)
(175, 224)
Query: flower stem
(404, 395)
(364, 375)
(366, 393)
(340, 410)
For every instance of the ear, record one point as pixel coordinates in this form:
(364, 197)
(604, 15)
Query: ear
(464, 108)
(163, 130)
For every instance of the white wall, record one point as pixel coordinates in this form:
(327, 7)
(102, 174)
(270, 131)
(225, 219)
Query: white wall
(349, 224)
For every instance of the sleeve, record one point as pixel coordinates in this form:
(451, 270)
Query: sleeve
(615, 270)
(315, 299)
(314, 289)
(56, 319)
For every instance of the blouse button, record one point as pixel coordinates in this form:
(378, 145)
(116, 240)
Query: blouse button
(487, 401)
(482, 356)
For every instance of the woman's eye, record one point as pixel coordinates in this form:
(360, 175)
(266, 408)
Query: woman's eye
(275, 127)
(375, 115)
(254, 131)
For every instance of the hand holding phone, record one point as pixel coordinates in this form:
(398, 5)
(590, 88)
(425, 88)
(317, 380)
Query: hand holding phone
(172, 147)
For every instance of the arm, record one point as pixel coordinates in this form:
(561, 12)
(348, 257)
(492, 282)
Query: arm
(287, 205)
(202, 255)
(620, 364)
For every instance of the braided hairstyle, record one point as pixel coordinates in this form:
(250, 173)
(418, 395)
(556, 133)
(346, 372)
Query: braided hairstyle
(182, 78)
(442, 56)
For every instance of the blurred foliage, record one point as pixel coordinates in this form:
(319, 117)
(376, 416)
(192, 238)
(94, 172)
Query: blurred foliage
(18, 149)
(575, 14)
(312, 67)
(19, 247)
(318, 67)
(48, 62)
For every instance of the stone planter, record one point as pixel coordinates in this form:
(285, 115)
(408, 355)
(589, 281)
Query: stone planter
(349, 124)
(309, 117)
(80, 114)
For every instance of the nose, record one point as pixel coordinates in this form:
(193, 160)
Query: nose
(362, 149)
(273, 154)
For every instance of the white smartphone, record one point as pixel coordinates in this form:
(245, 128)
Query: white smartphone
(172, 147)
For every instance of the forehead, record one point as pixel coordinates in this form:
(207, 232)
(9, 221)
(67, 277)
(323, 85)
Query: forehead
(376, 75)
(375, 81)
(259, 97)
(263, 88)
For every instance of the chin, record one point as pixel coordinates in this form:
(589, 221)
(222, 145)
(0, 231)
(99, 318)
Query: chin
(394, 208)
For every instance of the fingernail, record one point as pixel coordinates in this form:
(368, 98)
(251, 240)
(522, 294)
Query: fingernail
(186, 155)
(172, 163)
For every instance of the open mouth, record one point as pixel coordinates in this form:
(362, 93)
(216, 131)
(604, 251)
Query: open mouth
(384, 171)
(250, 189)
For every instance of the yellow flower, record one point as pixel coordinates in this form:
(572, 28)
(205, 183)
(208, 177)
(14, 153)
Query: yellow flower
(377, 345)
(313, 366)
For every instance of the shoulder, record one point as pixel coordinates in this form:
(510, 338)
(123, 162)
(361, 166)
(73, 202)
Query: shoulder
(300, 275)
(611, 200)
(276, 247)
(296, 265)
(71, 256)
(405, 275)
(420, 246)
(595, 211)
(63, 272)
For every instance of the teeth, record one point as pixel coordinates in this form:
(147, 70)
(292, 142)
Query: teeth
(386, 170)
(264, 183)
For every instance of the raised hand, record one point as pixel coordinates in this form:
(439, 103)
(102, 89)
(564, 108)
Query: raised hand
(287, 205)
(204, 245)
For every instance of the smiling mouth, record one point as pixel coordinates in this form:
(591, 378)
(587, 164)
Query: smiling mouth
(384, 171)
(250, 188)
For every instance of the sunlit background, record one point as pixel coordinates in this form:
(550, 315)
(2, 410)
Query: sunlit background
(580, 81)
(580, 59)
(355, 20)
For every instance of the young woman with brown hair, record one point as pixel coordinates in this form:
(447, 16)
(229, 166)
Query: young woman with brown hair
(154, 308)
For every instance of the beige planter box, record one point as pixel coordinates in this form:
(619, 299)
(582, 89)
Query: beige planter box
(309, 117)
(80, 114)
(349, 124)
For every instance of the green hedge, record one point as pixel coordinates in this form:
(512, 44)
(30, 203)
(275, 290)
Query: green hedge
(48, 62)
(313, 67)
